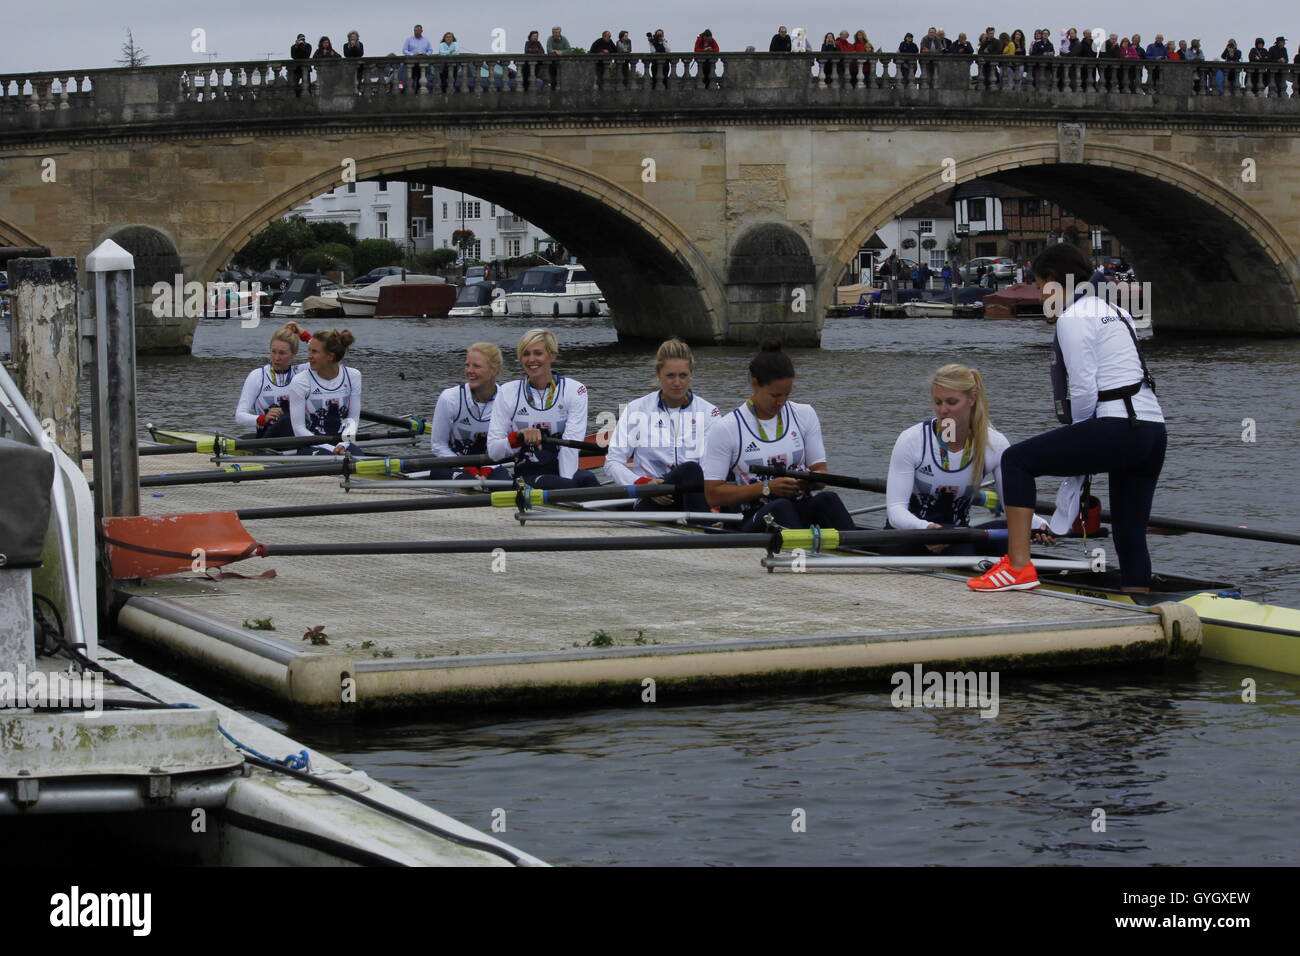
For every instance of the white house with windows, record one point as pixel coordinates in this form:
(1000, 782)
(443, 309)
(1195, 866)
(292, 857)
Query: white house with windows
(422, 217)
(370, 210)
(931, 220)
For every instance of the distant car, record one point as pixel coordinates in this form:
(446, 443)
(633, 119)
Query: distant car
(905, 268)
(374, 275)
(475, 274)
(273, 280)
(1003, 268)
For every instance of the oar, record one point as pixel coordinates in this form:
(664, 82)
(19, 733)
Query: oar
(1043, 506)
(417, 425)
(342, 466)
(219, 445)
(588, 446)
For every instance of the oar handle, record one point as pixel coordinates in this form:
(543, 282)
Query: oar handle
(821, 478)
(417, 425)
(586, 446)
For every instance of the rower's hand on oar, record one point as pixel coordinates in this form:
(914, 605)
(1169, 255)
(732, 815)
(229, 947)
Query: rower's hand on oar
(936, 548)
(1042, 536)
(786, 487)
(660, 499)
(340, 449)
(528, 436)
(273, 413)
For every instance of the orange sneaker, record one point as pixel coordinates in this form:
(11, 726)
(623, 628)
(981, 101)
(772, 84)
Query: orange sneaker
(1001, 577)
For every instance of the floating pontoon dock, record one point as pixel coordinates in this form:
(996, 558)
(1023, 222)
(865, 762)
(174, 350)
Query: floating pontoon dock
(475, 630)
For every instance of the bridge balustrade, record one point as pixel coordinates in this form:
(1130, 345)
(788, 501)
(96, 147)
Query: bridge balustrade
(677, 81)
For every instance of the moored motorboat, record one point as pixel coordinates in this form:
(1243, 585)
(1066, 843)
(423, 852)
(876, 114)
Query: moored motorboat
(555, 292)
(360, 303)
(300, 287)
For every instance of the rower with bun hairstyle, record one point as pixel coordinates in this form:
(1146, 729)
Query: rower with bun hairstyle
(934, 467)
(660, 437)
(771, 430)
(325, 398)
(537, 405)
(264, 400)
(463, 415)
(1111, 422)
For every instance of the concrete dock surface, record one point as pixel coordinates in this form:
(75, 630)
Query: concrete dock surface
(475, 629)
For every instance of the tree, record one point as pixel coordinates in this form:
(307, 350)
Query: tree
(132, 55)
(433, 259)
(373, 253)
(329, 231)
(327, 257)
(283, 239)
(463, 239)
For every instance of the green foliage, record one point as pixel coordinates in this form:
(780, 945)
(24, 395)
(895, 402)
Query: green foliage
(281, 239)
(326, 258)
(373, 253)
(259, 624)
(332, 232)
(432, 260)
(523, 262)
(601, 639)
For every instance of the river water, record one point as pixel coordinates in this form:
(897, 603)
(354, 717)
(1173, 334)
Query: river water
(1186, 772)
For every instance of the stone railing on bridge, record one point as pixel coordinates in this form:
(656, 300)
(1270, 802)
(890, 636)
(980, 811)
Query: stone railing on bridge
(556, 88)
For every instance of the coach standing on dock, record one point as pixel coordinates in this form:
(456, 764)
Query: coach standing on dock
(1112, 423)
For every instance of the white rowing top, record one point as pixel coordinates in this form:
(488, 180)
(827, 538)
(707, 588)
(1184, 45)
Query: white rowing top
(735, 444)
(318, 406)
(651, 439)
(460, 424)
(1099, 355)
(264, 388)
(566, 418)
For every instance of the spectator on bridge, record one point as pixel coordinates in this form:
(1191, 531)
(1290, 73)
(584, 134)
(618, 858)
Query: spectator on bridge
(1069, 42)
(1127, 50)
(1111, 48)
(930, 42)
(780, 41)
(962, 45)
(532, 47)
(704, 43)
(1277, 52)
(352, 50)
(624, 45)
(1004, 41)
(1172, 50)
(828, 66)
(659, 70)
(1018, 40)
(1158, 50)
(301, 50)
(1194, 52)
(1258, 54)
(449, 47)
(1136, 40)
(908, 45)
(1042, 44)
(325, 50)
(989, 45)
(417, 44)
(603, 44)
(1084, 47)
(945, 45)
(557, 45)
(1228, 77)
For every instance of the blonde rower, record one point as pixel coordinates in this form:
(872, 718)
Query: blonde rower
(660, 437)
(464, 413)
(264, 400)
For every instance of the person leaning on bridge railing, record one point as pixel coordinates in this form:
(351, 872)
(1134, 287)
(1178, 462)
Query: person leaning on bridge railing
(449, 47)
(603, 44)
(302, 50)
(417, 45)
(355, 49)
(532, 47)
(557, 45)
(659, 44)
(704, 43)
(780, 41)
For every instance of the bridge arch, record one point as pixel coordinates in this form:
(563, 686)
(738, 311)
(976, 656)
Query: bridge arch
(653, 275)
(1216, 255)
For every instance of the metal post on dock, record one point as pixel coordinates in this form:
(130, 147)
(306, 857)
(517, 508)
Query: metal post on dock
(112, 400)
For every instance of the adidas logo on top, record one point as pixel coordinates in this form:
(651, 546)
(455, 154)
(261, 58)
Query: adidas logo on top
(753, 446)
(925, 470)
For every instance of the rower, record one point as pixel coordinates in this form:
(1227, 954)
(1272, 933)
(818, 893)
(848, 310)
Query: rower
(660, 437)
(464, 412)
(539, 404)
(325, 398)
(771, 430)
(933, 468)
(1106, 400)
(264, 400)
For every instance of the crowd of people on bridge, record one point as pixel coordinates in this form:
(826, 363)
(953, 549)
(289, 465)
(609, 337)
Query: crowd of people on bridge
(1071, 41)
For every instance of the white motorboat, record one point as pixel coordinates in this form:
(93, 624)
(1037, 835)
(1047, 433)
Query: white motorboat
(476, 299)
(555, 292)
(360, 303)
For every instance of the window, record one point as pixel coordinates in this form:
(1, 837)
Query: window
(492, 248)
(352, 187)
(474, 250)
(352, 228)
(419, 226)
(383, 185)
(976, 210)
(417, 187)
(1031, 207)
(381, 222)
(985, 249)
(492, 211)
(512, 248)
(468, 209)
(938, 258)
(444, 212)
(926, 226)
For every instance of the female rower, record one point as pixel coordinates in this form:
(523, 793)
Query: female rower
(660, 437)
(771, 430)
(464, 412)
(1112, 422)
(264, 401)
(538, 405)
(326, 396)
(933, 469)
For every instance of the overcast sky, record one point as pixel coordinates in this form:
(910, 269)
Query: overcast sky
(87, 34)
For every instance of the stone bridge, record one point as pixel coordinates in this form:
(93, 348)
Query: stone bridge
(716, 197)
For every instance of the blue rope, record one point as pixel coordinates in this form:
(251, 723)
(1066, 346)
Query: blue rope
(299, 761)
(817, 538)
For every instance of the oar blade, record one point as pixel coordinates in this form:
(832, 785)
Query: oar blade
(151, 546)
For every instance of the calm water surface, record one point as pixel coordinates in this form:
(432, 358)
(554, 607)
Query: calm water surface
(1185, 770)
